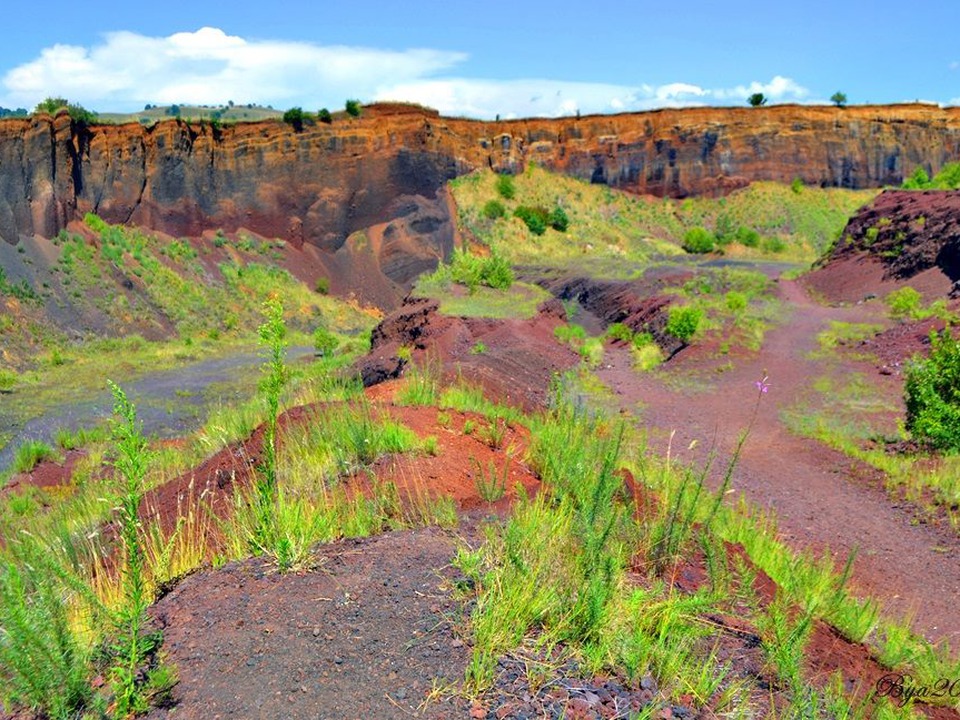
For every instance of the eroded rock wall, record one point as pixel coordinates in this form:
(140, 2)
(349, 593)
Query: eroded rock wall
(320, 185)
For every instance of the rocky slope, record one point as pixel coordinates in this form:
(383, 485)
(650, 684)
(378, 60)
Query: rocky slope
(322, 184)
(903, 236)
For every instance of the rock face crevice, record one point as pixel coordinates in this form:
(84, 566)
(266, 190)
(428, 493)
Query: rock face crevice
(321, 185)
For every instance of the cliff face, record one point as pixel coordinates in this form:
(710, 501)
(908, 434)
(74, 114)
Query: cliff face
(320, 185)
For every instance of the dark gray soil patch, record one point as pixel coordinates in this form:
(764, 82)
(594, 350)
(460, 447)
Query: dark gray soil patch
(366, 635)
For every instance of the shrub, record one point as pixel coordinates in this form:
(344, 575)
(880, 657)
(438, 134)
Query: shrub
(917, 181)
(620, 331)
(80, 115)
(43, 662)
(494, 209)
(471, 270)
(748, 237)
(684, 321)
(294, 117)
(904, 302)
(506, 187)
(535, 218)
(50, 105)
(324, 116)
(558, 219)
(323, 285)
(839, 99)
(8, 379)
(353, 108)
(496, 273)
(324, 341)
(736, 301)
(757, 99)
(774, 245)
(797, 185)
(698, 240)
(932, 394)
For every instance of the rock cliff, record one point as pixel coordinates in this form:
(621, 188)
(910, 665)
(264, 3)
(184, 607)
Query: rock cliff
(322, 184)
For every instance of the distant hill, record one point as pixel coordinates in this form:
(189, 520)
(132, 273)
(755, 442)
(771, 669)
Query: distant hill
(224, 113)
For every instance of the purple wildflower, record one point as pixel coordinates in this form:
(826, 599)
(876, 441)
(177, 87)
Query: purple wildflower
(762, 385)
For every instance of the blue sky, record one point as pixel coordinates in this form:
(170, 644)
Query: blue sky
(527, 57)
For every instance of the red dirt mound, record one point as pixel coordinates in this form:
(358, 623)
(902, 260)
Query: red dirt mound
(519, 361)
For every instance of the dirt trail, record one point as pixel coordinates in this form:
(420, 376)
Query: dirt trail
(823, 500)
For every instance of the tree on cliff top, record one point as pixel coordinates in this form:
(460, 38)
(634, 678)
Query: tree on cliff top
(757, 99)
(294, 116)
(839, 99)
(50, 105)
(353, 108)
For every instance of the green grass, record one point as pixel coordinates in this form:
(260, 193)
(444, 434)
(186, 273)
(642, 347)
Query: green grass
(32, 453)
(840, 334)
(422, 384)
(612, 231)
(520, 300)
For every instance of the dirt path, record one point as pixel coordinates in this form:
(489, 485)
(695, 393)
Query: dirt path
(822, 499)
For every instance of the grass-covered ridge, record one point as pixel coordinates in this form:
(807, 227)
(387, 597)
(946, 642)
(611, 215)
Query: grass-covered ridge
(767, 220)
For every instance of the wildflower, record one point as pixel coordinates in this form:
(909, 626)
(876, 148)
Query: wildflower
(762, 385)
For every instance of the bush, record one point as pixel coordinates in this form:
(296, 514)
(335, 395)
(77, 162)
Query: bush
(50, 105)
(80, 115)
(748, 237)
(494, 209)
(353, 108)
(505, 187)
(324, 341)
(774, 245)
(324, 116)
(904, 303)
(684, 321)
(294, 117)
(757, 99)
(323, 285)
(535, 218)
(620, 331)
(698, 240)
(932, 394)
(558, 219)
(473, 271)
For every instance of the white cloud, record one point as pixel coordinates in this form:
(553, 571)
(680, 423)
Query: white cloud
(779, 89)
(550, 98)
(208, 66)
(127, 70)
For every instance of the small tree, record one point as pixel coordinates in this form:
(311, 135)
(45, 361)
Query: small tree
(839, 99)
(757, 99)
(558, 219)
(353, 108)
(324, 116)
(324, 341)
(294, 118)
